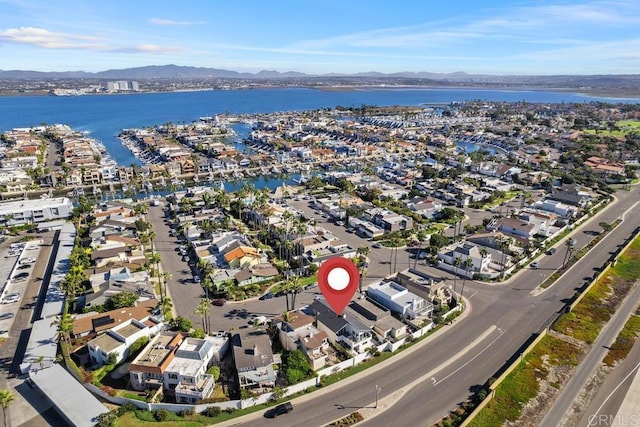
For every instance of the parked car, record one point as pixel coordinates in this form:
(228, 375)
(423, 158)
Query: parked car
(196, 279)
(219, 302)
(268, 295)
(24, 266)
(27, 260)
(551, 251)
(11, 298)
(21, 276)
(6, 316)
(340, 223)
(377, 245)
(284, 408)
(534, 264)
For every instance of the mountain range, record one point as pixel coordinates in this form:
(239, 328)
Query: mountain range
(187, 72)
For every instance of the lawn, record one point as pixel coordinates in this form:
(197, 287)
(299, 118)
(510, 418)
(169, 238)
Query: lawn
(130, 420)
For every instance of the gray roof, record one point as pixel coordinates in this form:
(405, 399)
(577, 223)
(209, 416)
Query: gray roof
(54, 300)
(251, 351)
(76, 403)
(42, 343)
(333, 321)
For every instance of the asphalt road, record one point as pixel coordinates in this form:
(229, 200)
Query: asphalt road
(592, 360)
(512, 308)
(612, 391)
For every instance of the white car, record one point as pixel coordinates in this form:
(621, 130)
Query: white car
(11, 298)
(27, 260)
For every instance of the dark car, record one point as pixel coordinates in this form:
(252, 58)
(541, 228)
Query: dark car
(551, 251)
(218, 301)
(268, 295)
(24, 266)
(21, 276)
(285, 408)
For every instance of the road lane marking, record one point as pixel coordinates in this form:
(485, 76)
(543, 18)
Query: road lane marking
(614, 390)
(431, 374)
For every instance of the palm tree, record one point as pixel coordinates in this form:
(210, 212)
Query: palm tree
(456, 264)
(202, 309)
(165, 305)
(467, 264)
(64, 325)
(165, 276)
(567, 255)
(207, 199)
(205, 268)
(6, 397)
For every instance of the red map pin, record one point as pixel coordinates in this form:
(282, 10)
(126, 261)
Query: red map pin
(338, 279)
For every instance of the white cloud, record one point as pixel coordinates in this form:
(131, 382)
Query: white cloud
(168, 22)
(148, 48)
(50, 40)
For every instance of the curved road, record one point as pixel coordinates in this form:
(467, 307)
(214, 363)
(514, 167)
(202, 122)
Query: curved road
(505, 316)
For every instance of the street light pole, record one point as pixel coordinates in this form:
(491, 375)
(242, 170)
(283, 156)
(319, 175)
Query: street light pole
(378, 389)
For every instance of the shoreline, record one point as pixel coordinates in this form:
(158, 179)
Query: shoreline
(614, 94)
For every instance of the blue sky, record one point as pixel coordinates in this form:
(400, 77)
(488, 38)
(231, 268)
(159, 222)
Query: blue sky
(345, 36)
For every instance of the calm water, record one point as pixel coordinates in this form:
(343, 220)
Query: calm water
(105, 115)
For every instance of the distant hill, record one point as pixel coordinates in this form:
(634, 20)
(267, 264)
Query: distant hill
(460, 77)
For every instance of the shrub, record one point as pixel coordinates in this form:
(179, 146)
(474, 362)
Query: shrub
(127, 407)
(186, 412)
(212, 411)
(160, 414)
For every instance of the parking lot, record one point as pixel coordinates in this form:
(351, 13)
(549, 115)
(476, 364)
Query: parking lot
(16, 272)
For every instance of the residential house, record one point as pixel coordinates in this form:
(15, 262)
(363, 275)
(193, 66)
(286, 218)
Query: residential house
(186, 376)
(398, 299)
(256, 274)
(515, 227)
(242, 257)
(296, 330)
(118, 340)
(345, 329)
(148, 368)
(254, 360)
(459, 253)
(378, 318)
(94, 323)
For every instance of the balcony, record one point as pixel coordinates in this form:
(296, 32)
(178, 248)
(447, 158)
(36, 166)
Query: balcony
(200, 390)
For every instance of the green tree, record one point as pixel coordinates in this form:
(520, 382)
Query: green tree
(166, 306)
(180, 323)
(6, 397)
(215, 372)
(123, 299)
(297, 367)
(198, 333)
